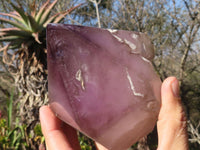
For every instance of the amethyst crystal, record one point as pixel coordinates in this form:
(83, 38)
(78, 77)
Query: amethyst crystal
(102, 82)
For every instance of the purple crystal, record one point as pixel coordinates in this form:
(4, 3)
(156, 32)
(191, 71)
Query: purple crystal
(102, 82)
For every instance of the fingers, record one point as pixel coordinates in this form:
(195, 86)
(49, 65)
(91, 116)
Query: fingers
(100, 147)
(58, 136)
(171, 125)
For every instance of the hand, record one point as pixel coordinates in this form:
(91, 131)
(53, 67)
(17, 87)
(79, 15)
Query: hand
(171, 125)
(172, 122)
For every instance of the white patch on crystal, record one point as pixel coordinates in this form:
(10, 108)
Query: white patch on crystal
(144, 47)
(78, 75)
(83, 51)
(112, 30)
(84, 67)
(118, 38)
(131, 84)
(80, 78)
(145, 59)
(131, 45)
(54, 24)
(152, 105)
(134, 36)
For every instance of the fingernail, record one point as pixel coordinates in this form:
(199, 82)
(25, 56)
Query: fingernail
(175, 88)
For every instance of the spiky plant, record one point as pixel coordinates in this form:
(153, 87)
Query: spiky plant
(25, 50)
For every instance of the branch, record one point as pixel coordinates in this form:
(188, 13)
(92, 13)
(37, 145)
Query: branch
(192, 35)
(97, 10)
(193, 17)
(194, 132)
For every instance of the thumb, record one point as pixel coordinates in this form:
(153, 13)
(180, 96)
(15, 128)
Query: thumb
(171, 125)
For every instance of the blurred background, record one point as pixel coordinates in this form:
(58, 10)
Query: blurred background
(172, 25)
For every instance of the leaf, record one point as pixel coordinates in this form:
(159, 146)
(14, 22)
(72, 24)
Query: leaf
(35, 27)
(2, 34)
(51, 19)
(17, 18)
(7, 39)
(41, 11)
(21, 13)
(10, 109)
(33, 6)
(47, 12)
(8, 29)
(18, 33)
(58, 19)
(14, 23)
(16, 44)
(59, 16)
(36, 37)
(22, 130)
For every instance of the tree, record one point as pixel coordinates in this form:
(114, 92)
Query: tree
(24, 50)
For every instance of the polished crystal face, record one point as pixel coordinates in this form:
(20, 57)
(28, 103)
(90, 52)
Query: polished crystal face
(102, 82)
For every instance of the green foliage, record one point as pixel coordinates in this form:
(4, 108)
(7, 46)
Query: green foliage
(38, 130)
(29, 29)
(12, 133)
(23, 42)
(9, 109)
(38, 133)
(85, 142)
(11, 138)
